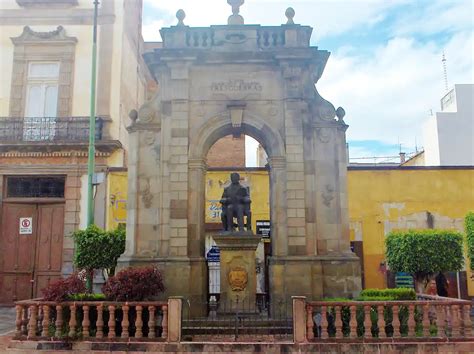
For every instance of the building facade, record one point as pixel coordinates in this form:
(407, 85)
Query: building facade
(45, 98)
(449, 135)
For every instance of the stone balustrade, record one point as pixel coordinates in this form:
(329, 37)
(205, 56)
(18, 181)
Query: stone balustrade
(426, 318)
(40, 320)
(248, 37)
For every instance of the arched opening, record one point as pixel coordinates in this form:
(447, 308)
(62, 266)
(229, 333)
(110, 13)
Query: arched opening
(227, 155)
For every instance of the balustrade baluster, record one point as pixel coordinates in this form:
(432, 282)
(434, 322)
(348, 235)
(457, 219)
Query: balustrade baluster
(455, 321)
(85, 321)
(396, 322)
(72, 321)
(353, 321)
(164, 334)
(24, 321)
(39, 320)
(111, 323)
(59, 321)
(139, 322)
(18, 321)
(411, 321)
(367, 322)
(125, 322)
(45, 332)
(338, 322)
(309, 322)
(32, 322)
(441, 321)
(324, 323)
(100, 322)
(426, 321)
(151, 321)
(467, 321)
(381, 322)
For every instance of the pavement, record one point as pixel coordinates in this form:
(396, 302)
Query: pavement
(7, 320)
(7, 326)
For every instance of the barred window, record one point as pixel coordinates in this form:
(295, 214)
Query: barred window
(35, 187)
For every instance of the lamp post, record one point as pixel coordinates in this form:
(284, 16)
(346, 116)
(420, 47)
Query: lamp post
(91, 157)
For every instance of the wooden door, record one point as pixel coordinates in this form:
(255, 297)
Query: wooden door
(49, 245)
(17, 252)
(29, 260)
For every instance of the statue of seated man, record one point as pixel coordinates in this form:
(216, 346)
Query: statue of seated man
(235, 204)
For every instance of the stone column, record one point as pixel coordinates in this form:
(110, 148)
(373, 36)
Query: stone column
(278, 205)
(196, 205)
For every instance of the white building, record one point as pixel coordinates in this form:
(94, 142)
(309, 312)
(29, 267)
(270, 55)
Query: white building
(449, 135)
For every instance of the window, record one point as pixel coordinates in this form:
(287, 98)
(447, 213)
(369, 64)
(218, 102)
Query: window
(42, 101)
(35, 187)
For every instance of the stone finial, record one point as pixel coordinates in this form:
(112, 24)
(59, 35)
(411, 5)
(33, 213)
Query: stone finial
(340, 113)
(180, 15)
(235, 18)
(133, 115)
(290, 14)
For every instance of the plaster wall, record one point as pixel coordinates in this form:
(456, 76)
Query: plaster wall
(381, 201)
(449, 135)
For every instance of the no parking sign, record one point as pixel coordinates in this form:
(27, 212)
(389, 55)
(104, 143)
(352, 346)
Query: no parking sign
(26, 226)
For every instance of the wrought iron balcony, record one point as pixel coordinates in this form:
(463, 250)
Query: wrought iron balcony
(51, 132)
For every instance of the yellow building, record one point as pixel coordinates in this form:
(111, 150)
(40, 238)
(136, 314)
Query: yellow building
(45, 80)
(381, 199)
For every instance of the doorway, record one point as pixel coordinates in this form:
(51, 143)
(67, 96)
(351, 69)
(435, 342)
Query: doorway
(31, 245)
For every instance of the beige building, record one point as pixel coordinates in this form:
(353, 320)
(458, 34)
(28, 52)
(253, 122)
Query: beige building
(45, 77)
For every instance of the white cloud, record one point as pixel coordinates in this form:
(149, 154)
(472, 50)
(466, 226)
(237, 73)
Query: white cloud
(438, 16)
(389, 95)
(387, 91)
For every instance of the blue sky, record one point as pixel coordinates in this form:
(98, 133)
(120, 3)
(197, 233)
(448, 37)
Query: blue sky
(385, 66)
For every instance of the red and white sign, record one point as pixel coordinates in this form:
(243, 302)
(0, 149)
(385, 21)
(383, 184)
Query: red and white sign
(26, 226)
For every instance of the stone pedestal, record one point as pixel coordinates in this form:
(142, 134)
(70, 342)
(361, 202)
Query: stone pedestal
(238, 275)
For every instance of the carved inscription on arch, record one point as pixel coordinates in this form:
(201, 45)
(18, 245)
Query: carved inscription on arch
(236, 85)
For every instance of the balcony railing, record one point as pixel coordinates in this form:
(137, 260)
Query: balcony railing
(48, 129)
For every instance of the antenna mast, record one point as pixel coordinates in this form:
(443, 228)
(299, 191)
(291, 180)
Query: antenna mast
(445, 70)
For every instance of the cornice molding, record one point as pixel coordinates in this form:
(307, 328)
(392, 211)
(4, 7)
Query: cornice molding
(48, 3)
(29, 36)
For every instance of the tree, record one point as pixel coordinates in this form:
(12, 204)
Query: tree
(424, 253)
(98, 249)
(469, 227)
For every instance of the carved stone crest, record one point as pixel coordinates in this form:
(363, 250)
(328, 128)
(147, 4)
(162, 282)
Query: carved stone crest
(324, 135)
(147, 197)
(238, 278)
(328, 195)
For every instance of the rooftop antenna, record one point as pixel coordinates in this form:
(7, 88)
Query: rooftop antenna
(445, 70)
(416, 146)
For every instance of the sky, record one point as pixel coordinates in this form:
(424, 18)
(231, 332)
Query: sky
(385, 66)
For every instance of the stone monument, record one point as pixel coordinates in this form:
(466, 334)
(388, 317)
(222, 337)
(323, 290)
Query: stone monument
(237, 250)
(236, 79)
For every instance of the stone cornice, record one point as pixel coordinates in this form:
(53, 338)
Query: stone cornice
(16, 154)
(50, 148)
(137, 127)
(44, 16)
(29, 36)
(48, 3)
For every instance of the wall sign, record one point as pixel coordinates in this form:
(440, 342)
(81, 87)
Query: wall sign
(26, 226)
(263, 228)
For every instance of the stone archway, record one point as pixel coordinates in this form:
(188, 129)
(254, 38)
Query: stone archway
(216, 128)
(241, 79)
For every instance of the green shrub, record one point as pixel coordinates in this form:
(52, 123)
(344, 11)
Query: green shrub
(424, 252)
(98, 249)
(86, 297)
(398, 294)
(469, 227)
